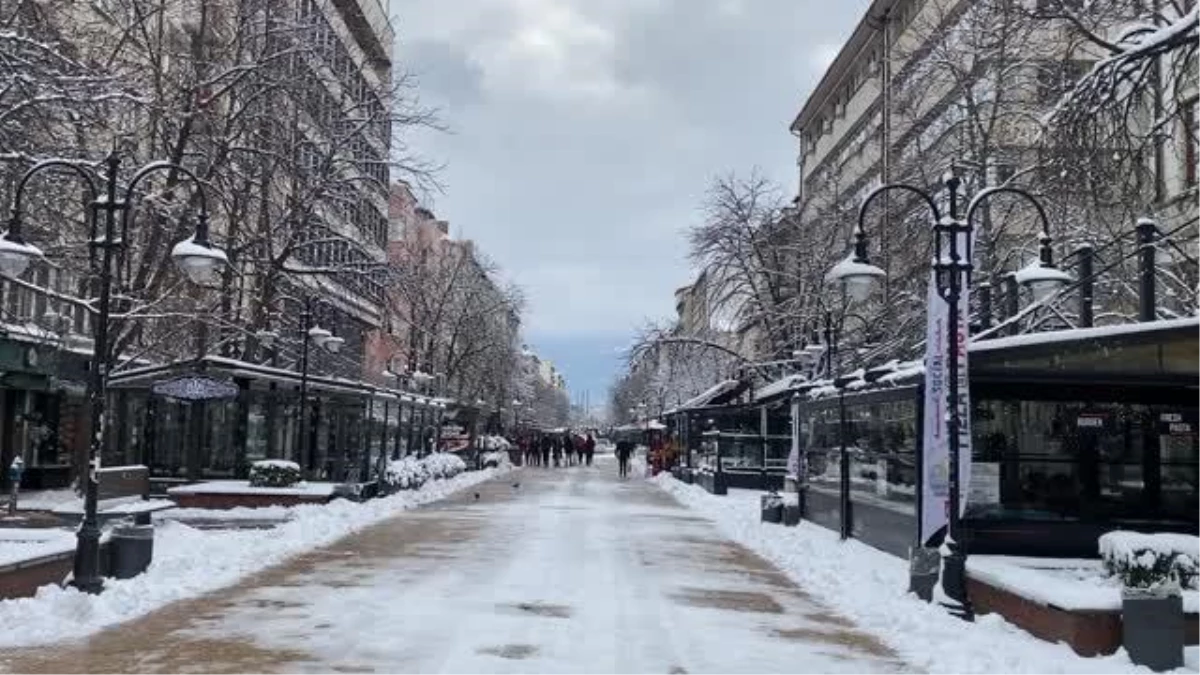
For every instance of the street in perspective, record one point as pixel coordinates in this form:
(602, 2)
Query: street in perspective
(562, 336)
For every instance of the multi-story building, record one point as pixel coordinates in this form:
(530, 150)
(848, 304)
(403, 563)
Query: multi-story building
(342, 90)
(925, 86)
(693, 306)
(309, 174)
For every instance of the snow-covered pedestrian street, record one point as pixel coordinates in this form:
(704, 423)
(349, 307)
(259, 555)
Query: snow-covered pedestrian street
(565, 570)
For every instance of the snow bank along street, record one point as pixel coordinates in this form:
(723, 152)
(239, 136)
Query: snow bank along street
(868, 587)
(545, 571)
(189, 562)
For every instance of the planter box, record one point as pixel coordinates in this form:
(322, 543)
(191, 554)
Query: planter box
(1153, 630)
(225, 501)
(1088, 633)
(229, 494)
(771, 509)
(713, 483)
(21, 580)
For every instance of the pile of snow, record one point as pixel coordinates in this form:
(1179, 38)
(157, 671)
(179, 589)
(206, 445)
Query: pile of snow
(274, 473)
(25, 544)
(496, 459)
(189, 562)
(441, 465)
(869, 587)
(494, 443)
(406, 473)
(410, 473)
(1151, 561)
(1068, 583)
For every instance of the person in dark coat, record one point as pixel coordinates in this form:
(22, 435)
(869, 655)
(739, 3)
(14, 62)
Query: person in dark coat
(589, 449)
(624, 452)
(547, 446)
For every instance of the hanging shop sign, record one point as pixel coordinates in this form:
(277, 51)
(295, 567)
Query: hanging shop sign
(196, 388)
(1094, 421)
(1176, 424)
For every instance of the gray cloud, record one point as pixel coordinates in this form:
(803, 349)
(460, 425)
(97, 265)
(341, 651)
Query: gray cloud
(585, 131)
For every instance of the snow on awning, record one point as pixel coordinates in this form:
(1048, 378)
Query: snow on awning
(780, 386)
(1073, 334)
(220, 365)
(718, 393)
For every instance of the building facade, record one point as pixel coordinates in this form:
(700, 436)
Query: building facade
(296, 160)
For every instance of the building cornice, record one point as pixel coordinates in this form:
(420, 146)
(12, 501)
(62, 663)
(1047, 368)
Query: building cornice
(864, 35)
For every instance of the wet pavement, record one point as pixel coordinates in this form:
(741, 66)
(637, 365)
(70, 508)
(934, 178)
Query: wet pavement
(568, 570)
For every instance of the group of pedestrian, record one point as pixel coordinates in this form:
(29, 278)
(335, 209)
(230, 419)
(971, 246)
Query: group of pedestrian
(558, 449)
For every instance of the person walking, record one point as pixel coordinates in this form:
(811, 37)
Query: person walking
(624, 450)
(589, 449)
(547, 446)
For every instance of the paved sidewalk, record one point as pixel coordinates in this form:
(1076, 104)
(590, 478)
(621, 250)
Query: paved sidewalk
(572, 571)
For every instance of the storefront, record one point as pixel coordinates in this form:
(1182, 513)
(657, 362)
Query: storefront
(351, 424)
(1074, 433)
(746, 433)
(43, 411)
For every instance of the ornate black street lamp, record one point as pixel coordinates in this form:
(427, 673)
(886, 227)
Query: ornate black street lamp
(195, 256)
(311, 334)
(952, 265)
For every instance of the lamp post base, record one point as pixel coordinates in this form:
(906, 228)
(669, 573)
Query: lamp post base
(86, 575)
(954, 585)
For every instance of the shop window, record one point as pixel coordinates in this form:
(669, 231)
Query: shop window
(1075, 460)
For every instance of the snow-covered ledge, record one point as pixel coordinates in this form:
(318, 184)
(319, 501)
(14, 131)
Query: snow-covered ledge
(242, 487)
(1071, 584)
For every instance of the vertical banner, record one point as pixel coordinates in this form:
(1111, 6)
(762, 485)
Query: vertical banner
(935, 444)
(793, 462)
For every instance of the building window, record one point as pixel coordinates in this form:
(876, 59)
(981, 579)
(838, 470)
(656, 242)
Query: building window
(1190, 131)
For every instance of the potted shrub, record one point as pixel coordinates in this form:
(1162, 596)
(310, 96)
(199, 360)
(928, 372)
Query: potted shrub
(1152, 568)
(274, 473)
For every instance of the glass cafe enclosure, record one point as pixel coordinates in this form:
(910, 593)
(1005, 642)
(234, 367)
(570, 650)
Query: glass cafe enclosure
(352, 424)
(1074, 434)
(750, 441)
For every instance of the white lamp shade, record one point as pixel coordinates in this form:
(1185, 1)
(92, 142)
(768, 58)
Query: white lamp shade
(319, 335)
(1044, 288)
(333, 344)
(15, 256)
(199, 263)
(857, 277)
(1042, 280)
(858, 287)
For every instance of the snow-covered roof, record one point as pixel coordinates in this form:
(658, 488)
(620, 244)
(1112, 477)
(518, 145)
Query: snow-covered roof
(254, 371)
(707, 396)
(780, 386)
(1050, 337)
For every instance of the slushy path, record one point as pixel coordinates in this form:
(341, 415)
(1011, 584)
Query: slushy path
(571, 571)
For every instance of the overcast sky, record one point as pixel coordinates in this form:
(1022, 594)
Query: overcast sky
(584, 133)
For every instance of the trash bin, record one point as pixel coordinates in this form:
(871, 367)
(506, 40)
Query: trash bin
(924, 567)
(132, 548)
(772, 508)
(792, 509)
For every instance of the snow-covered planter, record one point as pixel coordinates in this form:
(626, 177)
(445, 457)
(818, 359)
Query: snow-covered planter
(1151, 562)
(411, 473)
(407, 473)
(274, 473)
(1152, 569)
(442, 465)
